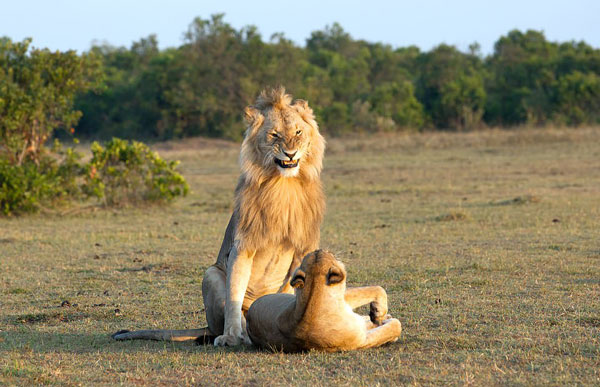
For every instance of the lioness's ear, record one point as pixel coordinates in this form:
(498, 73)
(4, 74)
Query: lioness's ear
(298, 279)
(335, 276)
(253, 117)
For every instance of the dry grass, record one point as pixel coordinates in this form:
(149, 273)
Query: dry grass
(487, 244)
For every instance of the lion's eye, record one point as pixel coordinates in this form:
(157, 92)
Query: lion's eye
(274, 135)
(298, 132)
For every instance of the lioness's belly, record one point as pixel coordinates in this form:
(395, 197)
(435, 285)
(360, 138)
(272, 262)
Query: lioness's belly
(269, 270)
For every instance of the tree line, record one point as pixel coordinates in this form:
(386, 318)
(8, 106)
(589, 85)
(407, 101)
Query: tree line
(201, 87)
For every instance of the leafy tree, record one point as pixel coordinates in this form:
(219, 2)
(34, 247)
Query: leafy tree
(133, 103)
(398, 102)
(462, 101)
(578, 99)
(523, 73)
(37, 89)
(337, 118)
(346, 62)
(214, 84)
(451, 87)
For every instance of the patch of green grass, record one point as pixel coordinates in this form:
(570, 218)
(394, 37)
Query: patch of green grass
(17, 291)
(51, 318)
(523, 199)
(487, 244)
(452, 216)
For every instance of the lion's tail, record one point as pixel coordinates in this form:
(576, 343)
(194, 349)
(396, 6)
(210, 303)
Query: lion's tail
(201, 335)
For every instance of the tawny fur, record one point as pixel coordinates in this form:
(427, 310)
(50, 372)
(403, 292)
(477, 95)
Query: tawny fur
(276, 220)
(319, 316)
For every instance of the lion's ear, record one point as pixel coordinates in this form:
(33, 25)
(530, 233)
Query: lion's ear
(298, 279)
(302, 107)
(253, 117)
(335, 276)
(300, 103)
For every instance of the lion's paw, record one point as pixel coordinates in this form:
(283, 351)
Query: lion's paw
(246, 339)
(228, 341)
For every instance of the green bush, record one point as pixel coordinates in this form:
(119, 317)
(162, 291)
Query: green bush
(123, 172)
(37, 91)
(119, 173)
(29, 187)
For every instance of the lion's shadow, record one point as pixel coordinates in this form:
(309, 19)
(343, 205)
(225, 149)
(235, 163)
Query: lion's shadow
(52, 342)
(93, 342)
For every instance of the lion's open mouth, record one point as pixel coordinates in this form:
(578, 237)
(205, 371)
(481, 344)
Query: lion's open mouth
(286, 163)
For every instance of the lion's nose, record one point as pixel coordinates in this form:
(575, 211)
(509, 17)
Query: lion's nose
(290, 155)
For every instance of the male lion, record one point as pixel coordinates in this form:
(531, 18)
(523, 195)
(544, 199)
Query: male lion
(320, 315)
(279, 206)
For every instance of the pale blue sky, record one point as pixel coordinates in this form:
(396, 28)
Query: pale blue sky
(74, 24)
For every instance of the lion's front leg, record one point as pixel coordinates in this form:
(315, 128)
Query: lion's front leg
(238, 275)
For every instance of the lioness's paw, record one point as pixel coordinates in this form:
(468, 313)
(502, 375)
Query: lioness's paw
(377, 313)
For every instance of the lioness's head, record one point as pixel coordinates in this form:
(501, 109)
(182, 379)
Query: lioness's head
(282, 137)
(319, 268)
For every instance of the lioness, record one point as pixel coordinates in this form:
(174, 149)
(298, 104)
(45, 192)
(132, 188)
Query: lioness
(279, 207)
(320, 315)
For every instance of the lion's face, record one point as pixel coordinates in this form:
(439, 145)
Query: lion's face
(282, 138)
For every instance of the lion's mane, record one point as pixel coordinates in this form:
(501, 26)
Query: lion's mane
(272, 207)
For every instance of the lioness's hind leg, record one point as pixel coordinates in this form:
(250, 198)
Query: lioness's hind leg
(213, 293)
(388, 332)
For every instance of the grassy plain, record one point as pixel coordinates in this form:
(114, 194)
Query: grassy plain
(487, 243)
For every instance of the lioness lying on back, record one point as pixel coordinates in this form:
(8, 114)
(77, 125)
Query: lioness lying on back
(319, 315)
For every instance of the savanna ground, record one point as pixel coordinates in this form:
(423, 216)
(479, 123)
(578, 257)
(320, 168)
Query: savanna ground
(487, 243)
